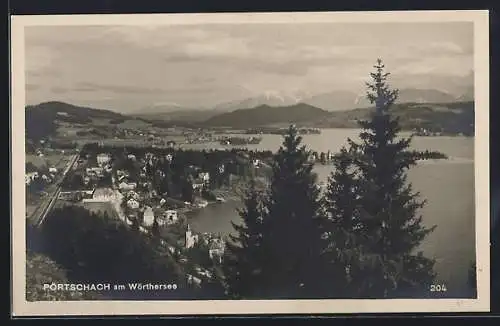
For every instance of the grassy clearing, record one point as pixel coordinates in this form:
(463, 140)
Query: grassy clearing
(57, 160)
(132, 124)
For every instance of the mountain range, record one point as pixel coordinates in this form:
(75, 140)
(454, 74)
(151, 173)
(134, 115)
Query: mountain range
(46, 118)
(331, 101)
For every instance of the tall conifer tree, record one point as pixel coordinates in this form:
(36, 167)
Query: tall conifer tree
(341, 201)
(243, 256)
(389, 229)
(292, 229)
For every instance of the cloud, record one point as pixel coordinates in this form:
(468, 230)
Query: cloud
(207, 64)
(118, 89)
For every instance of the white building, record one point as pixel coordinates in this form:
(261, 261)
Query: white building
(30, 176)
(108, 168)
(131, 157)
(216, 254)
(198, 185)
(201, 203)
(95, 171)
(46, 178)
(191, 239)
(52, 170)
(132, 194)
(193, 279)
(204, 176)
(149, 216)
(104, 194)
(103, 158)
(133, 204)
(126, 186)
(171, 217)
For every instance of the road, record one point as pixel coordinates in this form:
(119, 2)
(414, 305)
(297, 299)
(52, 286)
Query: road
(46, 206)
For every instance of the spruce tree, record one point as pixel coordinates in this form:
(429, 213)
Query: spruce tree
(341, 203)
(155, 229)
(243, 255)
(291, 228)
(390, 229)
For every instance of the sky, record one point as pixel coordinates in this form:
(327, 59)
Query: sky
(128, 68)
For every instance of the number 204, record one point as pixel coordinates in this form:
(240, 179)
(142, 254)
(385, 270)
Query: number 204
(438, 288)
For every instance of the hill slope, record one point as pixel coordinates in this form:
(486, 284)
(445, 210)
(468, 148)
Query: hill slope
(266, 115)
(440, 117)
(179, 115)
(42, 120)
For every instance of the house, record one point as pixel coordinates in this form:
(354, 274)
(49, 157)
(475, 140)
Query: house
(256, 163)
(169, 157)
(126, 186)
(30, 176)
(103, 158)
(87, 193)
(52, 170)
(216, 254)
(204, 272)
(201, 203)
(133, 195)
(108, 168)
(193, 280)
(46, 178)
(131, 157)
(170, 143)
(191, 239)
(171, 216)
(70, 195)
(204, 176)
(149, 216)
(103, 194)
(133, 204)
(198, 185)
(162, 201)
(95, 171)
(216, 250)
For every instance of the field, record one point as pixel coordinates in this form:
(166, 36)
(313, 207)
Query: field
(50, 159)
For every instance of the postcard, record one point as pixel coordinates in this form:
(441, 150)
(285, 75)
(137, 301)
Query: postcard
(250, 163)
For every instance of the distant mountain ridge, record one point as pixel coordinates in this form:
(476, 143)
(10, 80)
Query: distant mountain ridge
(43, 119)
(265, 115)
(452, 117)
(271, 98)
(343, 99)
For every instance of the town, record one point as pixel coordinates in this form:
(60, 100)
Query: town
(153, 189)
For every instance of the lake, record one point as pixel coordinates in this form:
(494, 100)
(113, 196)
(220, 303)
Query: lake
(447, 185)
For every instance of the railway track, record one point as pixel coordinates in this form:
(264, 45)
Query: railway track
(47, 205)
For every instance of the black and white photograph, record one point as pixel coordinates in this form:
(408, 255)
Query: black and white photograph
(251, 163)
